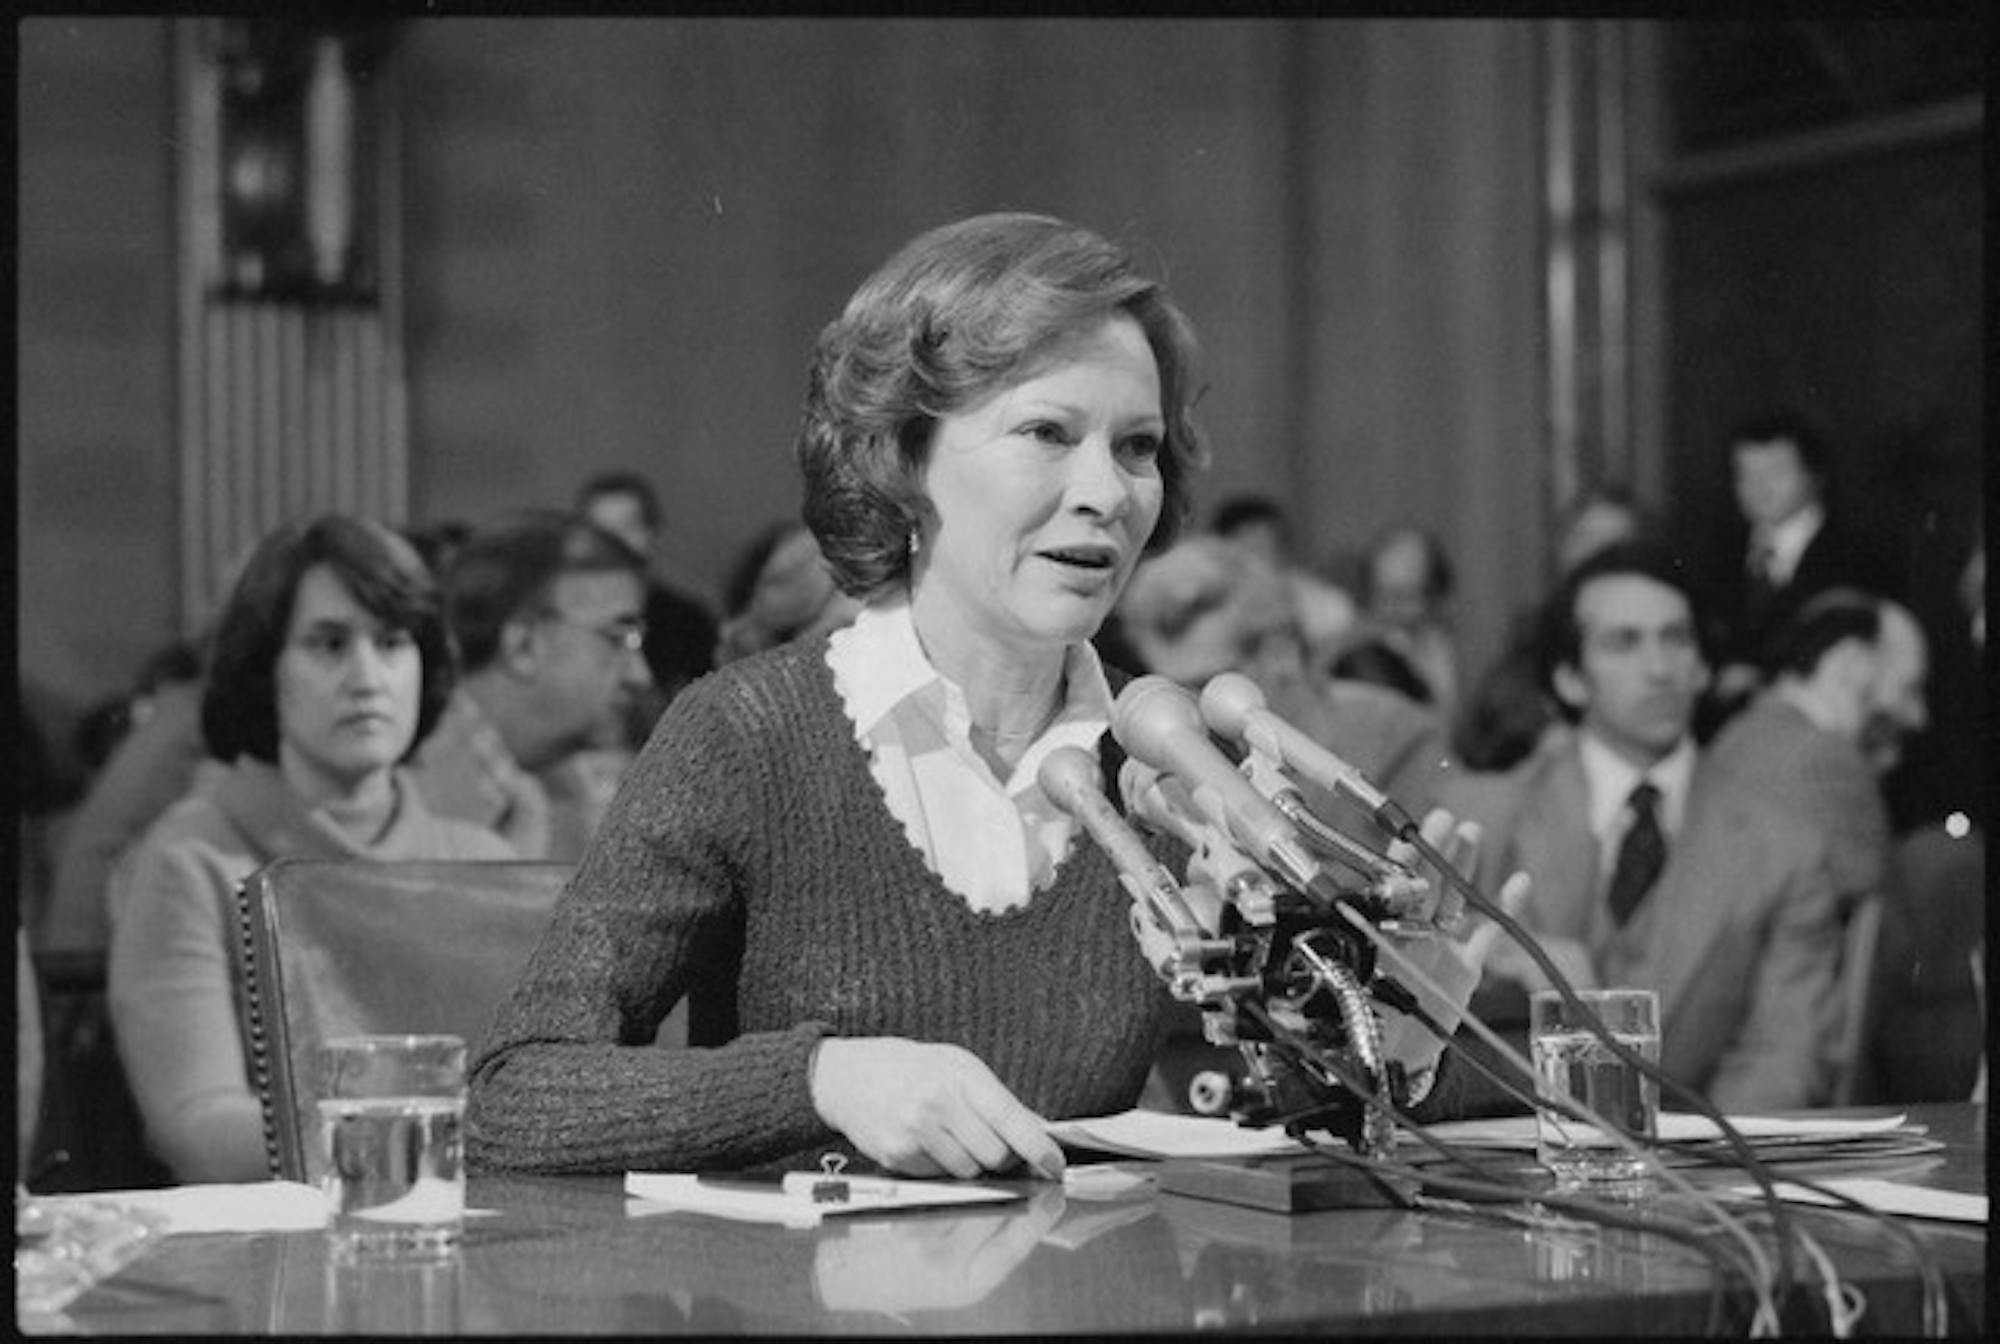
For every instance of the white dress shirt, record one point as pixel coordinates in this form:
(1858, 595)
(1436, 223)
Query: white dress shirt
(992, 841)
(1786, 542)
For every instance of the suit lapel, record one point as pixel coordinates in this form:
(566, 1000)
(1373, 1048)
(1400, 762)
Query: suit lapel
(1555, 846)
(1686, 912)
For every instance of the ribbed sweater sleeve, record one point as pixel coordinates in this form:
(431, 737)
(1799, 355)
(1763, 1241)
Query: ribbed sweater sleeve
(750, 860)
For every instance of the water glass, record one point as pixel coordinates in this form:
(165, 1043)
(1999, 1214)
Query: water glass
(1573, 1063)
(392, 1113)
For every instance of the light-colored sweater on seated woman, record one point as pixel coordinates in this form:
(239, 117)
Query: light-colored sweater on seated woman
(752, 863)
(171, 980)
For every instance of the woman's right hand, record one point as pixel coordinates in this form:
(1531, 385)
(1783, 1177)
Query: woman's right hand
(923, 1109)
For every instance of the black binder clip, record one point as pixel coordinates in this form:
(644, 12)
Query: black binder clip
(831, 1187)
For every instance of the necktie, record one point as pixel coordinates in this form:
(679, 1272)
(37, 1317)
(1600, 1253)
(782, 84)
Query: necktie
(1641, 854)
(1762, 586)
(1763, 563)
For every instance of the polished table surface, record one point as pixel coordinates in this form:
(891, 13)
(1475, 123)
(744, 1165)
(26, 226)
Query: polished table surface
(561, 1255)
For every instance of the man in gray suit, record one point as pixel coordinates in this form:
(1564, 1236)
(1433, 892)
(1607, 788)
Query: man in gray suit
(1654, 868)
(1846, 688)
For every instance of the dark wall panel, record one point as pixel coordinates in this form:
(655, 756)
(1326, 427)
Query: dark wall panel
(94, 355)
(1855, 292)
(624, 236)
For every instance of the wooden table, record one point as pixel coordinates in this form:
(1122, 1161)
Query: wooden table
(562, 1256)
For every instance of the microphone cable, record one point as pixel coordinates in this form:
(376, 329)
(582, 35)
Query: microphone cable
(1840, 1296)
(1781, 1279)
(1754, 1167)
(1754, 1269)
(1935, 1308)
(1395, 820)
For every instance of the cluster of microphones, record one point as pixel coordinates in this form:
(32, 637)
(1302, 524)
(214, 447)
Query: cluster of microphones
(1264, 933)
(1282, 933)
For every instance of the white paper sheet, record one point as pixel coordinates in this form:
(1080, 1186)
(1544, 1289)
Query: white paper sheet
(767, 1202)
(1139, 1133)
(1911, 1201)
(1518, 1131)
(267, 1206)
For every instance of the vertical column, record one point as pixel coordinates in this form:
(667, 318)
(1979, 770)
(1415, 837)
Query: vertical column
(290, 371)
(1586, 208)
(1563, 468)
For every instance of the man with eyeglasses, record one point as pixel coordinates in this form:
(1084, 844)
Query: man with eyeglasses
(547, 610)
(681, 631)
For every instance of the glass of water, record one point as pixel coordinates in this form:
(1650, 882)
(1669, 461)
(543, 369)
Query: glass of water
(1573, 1063)
(392, 1113)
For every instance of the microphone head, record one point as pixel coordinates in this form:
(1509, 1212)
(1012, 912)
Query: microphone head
(1228, 701)
(1066, 773)
(1150, 713)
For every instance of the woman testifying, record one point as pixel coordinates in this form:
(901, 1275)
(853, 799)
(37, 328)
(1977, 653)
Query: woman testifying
(838, 847)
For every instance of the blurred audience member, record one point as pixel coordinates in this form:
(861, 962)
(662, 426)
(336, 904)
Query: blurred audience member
(1972, 594)
(680, 629)
(1846, 687)
(1406, 580)
(1325, 612)
(1256, 523)
(28, 1054)
(158, 756)
(547, 609)
(1654, 867)
(1944, 769)
(1927, 1032)
(1787, 543)
(438, 543)
(42, 797)
(159, 760)
(151, 759)
(1209, 606)
(780, 590)
(331, 662)
(105, 726)
(1375, 662)
(1596, 518)
(1506, 714)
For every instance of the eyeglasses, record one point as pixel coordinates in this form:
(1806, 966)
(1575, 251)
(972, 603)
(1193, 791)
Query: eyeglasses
(627, 636)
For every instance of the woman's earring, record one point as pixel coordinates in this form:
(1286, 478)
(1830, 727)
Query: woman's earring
(916, 543)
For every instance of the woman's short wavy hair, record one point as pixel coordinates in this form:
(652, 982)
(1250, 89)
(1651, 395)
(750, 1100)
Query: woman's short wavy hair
(239, 706)
(959, 313)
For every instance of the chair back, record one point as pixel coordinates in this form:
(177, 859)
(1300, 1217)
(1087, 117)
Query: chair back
(335, 947)
(1851, 1083)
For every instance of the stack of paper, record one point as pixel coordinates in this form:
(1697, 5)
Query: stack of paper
(1155, 1134)
(1158, 1134)
(1771, 1138)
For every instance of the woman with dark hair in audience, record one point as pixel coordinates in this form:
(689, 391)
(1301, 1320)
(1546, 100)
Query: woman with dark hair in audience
(331, 662)
(891, 940)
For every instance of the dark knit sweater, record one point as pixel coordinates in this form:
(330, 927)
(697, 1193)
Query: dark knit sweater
(751, 863)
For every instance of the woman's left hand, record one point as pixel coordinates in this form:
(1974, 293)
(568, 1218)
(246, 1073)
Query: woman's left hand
(1450, 958)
